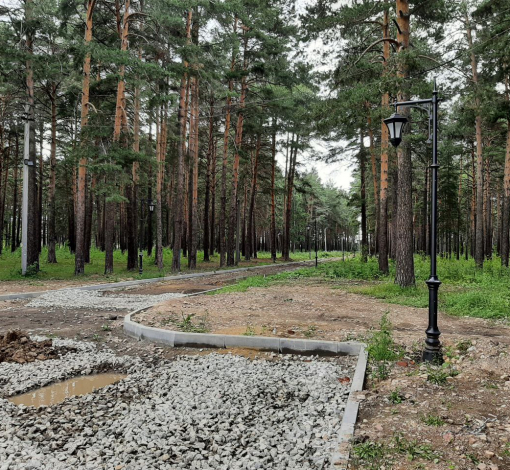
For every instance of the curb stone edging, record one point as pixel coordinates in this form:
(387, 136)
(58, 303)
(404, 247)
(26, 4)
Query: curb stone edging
(175, 277)
(342, 445)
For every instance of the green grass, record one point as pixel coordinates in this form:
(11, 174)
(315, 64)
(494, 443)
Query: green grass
(465, 290)
(10, 265)
(433, 420)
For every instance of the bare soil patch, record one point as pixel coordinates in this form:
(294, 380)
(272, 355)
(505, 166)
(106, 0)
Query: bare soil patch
(16, 346)
(465, 421)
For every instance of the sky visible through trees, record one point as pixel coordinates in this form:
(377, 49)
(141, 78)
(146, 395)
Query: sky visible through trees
(215, 112)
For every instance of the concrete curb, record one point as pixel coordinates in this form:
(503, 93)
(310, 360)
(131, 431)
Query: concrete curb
(266, 343)
(340, 458)
(342, 445)
(176, 277)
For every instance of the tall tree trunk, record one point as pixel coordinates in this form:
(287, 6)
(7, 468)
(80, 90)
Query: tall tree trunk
(226, 138)
(40, 181)
(212, 245)
(14, 234)
(505, 216)
(178, 208)
(30, 213)
(109, 234)
(3, 187)
(273, 199)
(383, 205)
(473, 202)
(52, 257)
(479, 243)
(160, 158)
(251, 213)
(374, 178)
(208, 183)
(362, 164)
(235, 170)
(404, 253)
(79, 259)
(133, 228)
(120, 124)
(193, 229)
(459, 212)
(488, 210)
(290, 189)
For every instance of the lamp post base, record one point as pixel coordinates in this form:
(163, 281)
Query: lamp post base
(433, 355)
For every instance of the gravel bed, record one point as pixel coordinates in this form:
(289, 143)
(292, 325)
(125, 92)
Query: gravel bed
(97, 300)
(196, 412)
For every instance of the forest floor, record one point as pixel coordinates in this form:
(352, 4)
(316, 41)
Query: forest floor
(412, 416)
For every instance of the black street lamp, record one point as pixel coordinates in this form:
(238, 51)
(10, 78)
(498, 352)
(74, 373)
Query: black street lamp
(150, 205)
(395, 125)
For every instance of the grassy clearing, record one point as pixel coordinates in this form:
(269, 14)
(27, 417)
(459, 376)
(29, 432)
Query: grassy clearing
(10, 266)
(466, 290)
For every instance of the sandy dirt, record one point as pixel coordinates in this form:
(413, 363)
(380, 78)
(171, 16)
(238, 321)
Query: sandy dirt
(36, 285)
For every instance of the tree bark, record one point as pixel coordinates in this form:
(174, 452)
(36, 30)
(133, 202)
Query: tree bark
(32, 242)
(235, 170)
(362, 164)
(288, 205)
(79, 260)
(52, 257)
(383, 205)
(178, 208)
(404, 252)
(479, 221)
(207, 238)
(193, 229)
(14, 234)
(251, 212)
(374, 178)
(505, 216)
(273, 199)
(212, 245)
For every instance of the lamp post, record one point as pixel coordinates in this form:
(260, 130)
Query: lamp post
(395, 123)
(316, 249)
(150, 204)
(309, 242)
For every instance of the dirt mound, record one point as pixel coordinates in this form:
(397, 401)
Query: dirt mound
(16, 346)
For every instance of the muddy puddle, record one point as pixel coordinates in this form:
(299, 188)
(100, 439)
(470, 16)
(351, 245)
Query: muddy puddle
(58, 392)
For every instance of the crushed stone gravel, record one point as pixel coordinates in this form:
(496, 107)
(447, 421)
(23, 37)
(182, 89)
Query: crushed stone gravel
(197, 412)
(97, 300)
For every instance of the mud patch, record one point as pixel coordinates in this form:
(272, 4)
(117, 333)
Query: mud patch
(58, 392)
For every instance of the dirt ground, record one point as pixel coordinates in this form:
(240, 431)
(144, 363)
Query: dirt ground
(37, 285)
(471, 408)
(462, 424)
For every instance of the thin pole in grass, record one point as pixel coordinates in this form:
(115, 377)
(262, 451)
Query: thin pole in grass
(316, 253)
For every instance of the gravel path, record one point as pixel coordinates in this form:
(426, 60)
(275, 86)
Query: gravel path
(197, 412)
(97, 300)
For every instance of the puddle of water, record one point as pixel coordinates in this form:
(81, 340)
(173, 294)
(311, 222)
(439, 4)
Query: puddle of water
(58, 392)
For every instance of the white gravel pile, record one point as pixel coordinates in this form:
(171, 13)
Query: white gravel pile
(70, 299)
(201, 412)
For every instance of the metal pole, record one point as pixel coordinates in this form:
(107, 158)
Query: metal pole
(432, 350)
(309, 243)
(316, 254)
(140, 254)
